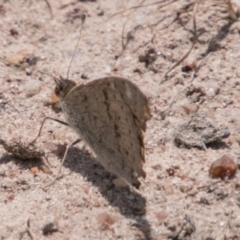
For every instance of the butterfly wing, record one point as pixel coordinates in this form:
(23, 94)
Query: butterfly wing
(110, 114)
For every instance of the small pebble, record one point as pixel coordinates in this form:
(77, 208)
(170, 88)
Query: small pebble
(212, 90)
(223, 167)
(161, 216)
(186, 188)
(105, 220)
(32, 87)
(107, 69)
(50, 228)
(204, 200)
(6, 183)
(189, 63)
(34, 170)
(28, 71)
(221, 224)
(190, 108)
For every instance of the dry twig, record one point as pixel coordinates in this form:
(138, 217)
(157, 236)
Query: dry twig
(193, 43)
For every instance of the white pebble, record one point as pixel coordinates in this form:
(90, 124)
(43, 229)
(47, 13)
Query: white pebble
(212, 89)
(108, 69)
(32, 87)
(222, 223)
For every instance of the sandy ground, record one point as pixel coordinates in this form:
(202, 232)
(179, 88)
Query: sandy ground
(178, 199)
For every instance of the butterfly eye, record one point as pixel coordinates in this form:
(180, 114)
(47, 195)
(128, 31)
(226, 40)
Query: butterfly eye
(57, 90)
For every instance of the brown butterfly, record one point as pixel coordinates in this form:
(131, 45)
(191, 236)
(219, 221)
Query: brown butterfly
(110, 114)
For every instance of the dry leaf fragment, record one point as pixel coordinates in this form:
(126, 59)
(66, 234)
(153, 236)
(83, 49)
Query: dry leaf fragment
(23, 59)
(25, 151)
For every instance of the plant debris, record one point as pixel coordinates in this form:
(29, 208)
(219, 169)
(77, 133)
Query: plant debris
(198, 131)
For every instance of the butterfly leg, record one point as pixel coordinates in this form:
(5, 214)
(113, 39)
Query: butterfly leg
(63, 160)
(39, 132)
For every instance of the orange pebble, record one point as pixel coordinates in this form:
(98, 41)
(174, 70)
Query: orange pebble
(34, 170)
(222, 167)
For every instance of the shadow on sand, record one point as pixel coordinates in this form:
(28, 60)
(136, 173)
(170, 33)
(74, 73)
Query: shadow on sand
(133, 207)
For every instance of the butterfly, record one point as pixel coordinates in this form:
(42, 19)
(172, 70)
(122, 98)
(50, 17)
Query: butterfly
(110, 115)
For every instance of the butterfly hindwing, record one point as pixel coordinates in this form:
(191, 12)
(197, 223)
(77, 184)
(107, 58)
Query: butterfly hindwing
(110, 114)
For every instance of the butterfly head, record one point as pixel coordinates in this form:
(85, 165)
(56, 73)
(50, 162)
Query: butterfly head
(63, 86)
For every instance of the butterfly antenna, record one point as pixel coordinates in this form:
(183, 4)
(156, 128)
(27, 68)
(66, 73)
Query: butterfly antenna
(45, 73)
(83, 17)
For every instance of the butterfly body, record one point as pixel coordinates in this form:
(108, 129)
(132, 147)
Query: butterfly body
(110, 114)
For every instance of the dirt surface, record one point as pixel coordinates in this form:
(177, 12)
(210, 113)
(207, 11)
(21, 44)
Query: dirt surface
(178, 199)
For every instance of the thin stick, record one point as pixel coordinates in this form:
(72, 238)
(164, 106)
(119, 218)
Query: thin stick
(49, 7)
(211, 184)
(62, 162)
(193, 43)
(124, 45)
(163, 113)
(130, 36)
(29, 231)
(140, 6)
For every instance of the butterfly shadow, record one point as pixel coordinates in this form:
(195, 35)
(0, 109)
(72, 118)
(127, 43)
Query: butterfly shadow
(130, 203)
